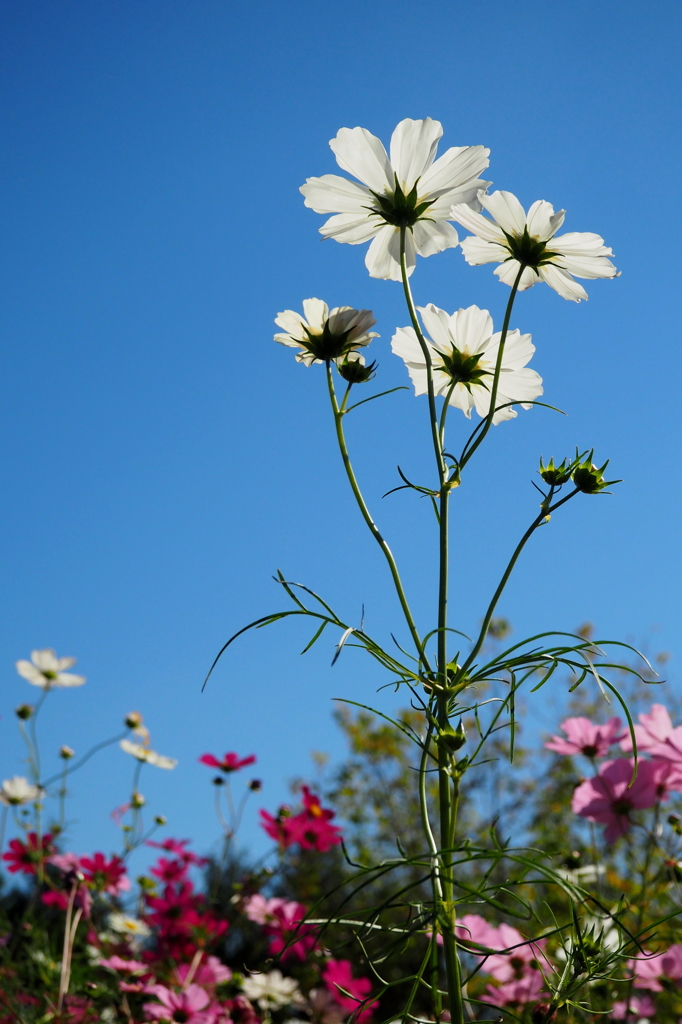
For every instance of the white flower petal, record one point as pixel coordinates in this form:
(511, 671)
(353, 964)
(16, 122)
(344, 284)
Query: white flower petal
(45, 660)
(383, 256)
(363, 155)
(507, 211)
(333, 194)
(458, 166)
(437, 323)
(467, 195)
(291, 321)
(68, 679)
(316, 312)
(581, 243)
(413, 149)
(508, 272)
(351, 227)
(472, 329)
(518, 349)
(477, 251)
(481, 226)
(586, 266)
(431, 237)
(562, 283)
(30, 673)
(542, 221)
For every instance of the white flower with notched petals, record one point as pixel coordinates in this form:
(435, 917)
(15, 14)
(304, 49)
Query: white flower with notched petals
(46, 670)
(123, 924)
(516, 239)
(322, 335)
(411, 189)
(147, 755)
(18, 790)
(271, 989)
(463, 352)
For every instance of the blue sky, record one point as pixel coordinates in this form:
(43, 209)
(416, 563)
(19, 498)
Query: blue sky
(162, 457)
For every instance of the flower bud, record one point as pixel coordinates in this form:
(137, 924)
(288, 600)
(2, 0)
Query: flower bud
(133, 720)
(160, 820)
(588, 478)
(137, 801)
(24, 711)
(255, 785)
(353, 370)
(553, 475)
(218, 780)
(452, 739)
(66, 753)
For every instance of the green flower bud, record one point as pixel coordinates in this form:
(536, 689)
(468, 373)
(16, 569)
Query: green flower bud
(137, 801)
(133, 720)
(452, 739)
(160, 820)
(556, 476)
(24, 711)
(66, 753)
(353, 370)
(589, 479)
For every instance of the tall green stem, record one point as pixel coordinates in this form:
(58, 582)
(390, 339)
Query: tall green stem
(373, 528)
(466, 455)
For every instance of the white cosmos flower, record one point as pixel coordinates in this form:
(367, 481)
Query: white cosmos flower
(411, 189)
(46, 670)
(514, 238)
(18, 790)
(321, 334)
(147, 755)
(123, 924)
(464, 352)
(271, 989)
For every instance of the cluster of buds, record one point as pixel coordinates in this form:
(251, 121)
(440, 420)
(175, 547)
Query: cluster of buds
(586, 477)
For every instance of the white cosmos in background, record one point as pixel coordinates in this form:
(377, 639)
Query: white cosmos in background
(467, 333)
(321, 334)
(411, 187)
(147, 755)
(45, 669)
(511, 233)
(18, 790)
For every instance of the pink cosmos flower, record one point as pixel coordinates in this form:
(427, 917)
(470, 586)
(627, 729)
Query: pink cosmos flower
(475, 929)
(178, 848)
(650, 968)
(105, 875)
(517, 993)
(640, 1006)
(339, 973)
(210, 973)
(65, 861)
(520, 956)
(117, 963)
(26, 856)
(230, 763)
(607, 799)
(654, 728)
(191, 1006)
(281, 920)
(584, 737)
(311, 828)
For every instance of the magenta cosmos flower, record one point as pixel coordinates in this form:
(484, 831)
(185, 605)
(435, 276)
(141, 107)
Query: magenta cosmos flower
(231, 762)
(338, 978)
(607, 799)
(654, 728)
(652, 967)
(584, 737)
(189, 1006)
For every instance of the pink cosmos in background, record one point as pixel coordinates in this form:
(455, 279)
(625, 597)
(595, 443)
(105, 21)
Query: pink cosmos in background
(652, 967)
(25, 857)
(311, 828)
(339, 973)
(517, 956)
(584, 737)
(606, 798)
(640, 1006)
(653, 729)
(231, 762)
(281, 920)
(517, 993)
(189, 1006)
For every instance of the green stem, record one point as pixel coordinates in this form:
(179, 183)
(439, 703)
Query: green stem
(466, 455)
(546, 511)
(373, 528)
(433, 415)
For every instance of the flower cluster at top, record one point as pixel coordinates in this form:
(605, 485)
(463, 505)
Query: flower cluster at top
(405, 202)
(616, 791)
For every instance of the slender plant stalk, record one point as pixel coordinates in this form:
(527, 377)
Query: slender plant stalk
(366, 515)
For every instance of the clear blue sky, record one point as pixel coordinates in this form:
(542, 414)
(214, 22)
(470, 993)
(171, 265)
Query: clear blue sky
(162, 457)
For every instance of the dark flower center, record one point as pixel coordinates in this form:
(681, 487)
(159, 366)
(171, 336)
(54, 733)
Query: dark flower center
(463, 368)
(181, 1016)
(529, 251)
(328, 345)
(622, 806)
(589, 751)
(400, 209)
